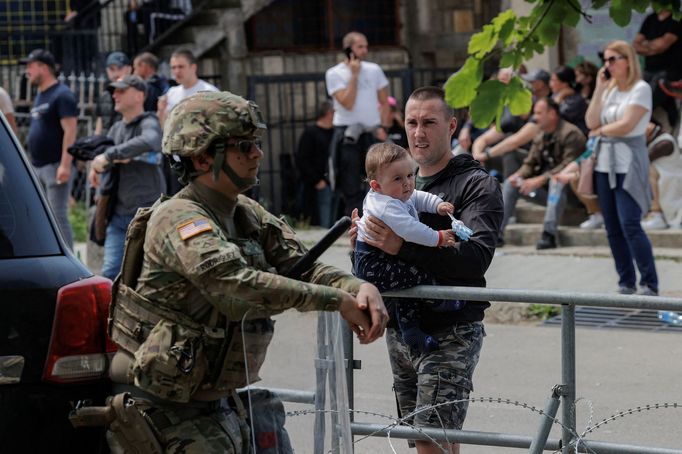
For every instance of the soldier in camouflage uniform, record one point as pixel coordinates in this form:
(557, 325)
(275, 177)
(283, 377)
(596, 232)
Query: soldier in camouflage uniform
(202, 274)
(425, 382)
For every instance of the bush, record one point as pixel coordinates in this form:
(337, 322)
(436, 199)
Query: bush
(543, 311)
(78, 217)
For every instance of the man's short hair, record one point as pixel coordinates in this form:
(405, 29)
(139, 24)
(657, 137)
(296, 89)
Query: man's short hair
(323, 108)
(428, 93)
(148, 59)
(350, 38)
(382, 154)
(551, 104)
(187, 54)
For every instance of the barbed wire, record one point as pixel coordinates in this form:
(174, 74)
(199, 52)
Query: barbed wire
(579, 439)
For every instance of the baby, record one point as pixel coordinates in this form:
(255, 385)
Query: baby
(393, 199)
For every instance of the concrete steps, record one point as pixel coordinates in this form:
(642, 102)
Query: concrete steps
(528, 228)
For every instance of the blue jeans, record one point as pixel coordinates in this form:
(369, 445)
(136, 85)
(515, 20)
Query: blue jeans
(555, 205)
(324, 206)
(114, 243)
(57, 197)
(626, 237)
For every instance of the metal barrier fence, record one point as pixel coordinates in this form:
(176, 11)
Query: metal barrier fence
(564, 393)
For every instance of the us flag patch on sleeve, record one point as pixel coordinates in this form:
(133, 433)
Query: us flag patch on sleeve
(193, 228)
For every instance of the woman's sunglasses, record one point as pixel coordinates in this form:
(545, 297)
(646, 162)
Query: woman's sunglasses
(612, 60)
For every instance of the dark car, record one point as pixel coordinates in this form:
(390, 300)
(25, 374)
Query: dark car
(53, 315)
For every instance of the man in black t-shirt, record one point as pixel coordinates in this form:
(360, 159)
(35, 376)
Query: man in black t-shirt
(146, 66)
(312, 156)
(659, 41)
(53, 130)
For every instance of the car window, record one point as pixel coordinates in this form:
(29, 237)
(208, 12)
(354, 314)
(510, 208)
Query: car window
(25, 228)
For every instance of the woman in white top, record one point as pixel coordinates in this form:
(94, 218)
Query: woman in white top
(618, 115)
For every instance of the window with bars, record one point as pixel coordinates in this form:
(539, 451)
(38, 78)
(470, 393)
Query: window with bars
(321, 25)
(24, 25)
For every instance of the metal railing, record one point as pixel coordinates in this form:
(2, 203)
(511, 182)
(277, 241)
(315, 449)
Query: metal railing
(563, 395)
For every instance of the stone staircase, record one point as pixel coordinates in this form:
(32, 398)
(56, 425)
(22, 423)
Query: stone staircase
(528, 228)
(204, 30)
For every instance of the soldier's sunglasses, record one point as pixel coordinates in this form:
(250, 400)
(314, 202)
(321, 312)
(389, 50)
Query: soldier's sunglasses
(245, 146)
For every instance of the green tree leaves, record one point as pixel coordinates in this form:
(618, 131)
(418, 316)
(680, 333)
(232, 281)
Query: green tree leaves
(519, 99)
(460, 89)
(514, 40)
(493, 96)
(621, 12)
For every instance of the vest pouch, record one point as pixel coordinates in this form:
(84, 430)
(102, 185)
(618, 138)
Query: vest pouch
(254, 339)
(170, 363)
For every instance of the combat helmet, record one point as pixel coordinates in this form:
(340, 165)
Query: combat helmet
(205, 120)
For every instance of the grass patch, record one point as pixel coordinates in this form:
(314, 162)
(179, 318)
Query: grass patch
(78, 217)
(543, 311)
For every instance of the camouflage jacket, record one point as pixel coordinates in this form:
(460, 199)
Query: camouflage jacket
(193, 256)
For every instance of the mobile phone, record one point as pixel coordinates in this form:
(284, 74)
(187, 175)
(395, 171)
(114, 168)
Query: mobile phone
(607, 74)
(348, 51)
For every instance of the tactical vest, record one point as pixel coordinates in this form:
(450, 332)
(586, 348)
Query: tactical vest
(175, 356)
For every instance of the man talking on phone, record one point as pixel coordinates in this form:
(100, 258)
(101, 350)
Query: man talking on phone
(360, 92)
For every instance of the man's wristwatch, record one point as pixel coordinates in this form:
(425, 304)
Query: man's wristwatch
(486, 152)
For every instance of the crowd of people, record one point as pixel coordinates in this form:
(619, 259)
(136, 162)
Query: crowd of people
(396, 174)
(129, 170)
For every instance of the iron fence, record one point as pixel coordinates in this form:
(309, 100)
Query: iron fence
(289, 103)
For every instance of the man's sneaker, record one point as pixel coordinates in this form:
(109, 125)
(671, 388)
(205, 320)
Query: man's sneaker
(625, 290)
(654, 221)
(595, 221)
(645, 290)
(547, 241)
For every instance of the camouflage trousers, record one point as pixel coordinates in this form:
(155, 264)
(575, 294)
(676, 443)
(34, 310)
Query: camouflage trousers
(193, 429)
(423, 382)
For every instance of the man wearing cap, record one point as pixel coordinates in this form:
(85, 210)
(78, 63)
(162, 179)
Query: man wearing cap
(132, 166)
(52, 131)
(118, 65)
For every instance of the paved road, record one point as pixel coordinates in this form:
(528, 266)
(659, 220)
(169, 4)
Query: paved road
(616, 369)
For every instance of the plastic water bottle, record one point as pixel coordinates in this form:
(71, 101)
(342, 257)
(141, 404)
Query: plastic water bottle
(670, 317)
(590, 143)
(461, 230)
(554, 193)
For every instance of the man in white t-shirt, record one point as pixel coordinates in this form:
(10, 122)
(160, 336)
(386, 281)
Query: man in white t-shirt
(360, 92)
(184, 70)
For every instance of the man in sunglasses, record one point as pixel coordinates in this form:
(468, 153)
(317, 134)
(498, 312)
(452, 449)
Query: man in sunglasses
(203, 273)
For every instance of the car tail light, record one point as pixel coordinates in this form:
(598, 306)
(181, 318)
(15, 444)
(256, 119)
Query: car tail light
(80, 347)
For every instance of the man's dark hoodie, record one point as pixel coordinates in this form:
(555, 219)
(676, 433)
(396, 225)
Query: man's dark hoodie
(156, 87)
(478, 204)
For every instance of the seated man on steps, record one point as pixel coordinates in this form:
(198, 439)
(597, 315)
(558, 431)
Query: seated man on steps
(554, 148)
(665, 177)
